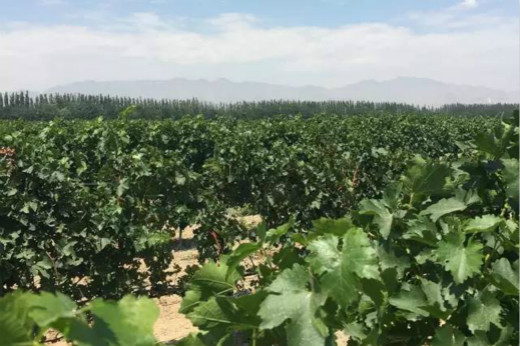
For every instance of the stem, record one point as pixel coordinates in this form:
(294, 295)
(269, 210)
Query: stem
(180, 237)
(252, 261)
(53, 266)
(267, 258)
(411, 201)
(488, 259)
(311, 281)
(253, 338)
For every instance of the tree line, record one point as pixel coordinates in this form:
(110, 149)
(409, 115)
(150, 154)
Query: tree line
(22, 105)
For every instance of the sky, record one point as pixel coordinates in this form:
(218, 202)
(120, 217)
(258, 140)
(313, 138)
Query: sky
(330, 43)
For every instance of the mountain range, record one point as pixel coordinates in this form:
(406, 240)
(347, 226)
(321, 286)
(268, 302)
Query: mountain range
(420, 91)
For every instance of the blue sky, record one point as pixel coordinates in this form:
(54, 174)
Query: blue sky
(327, 13)
(297, 42)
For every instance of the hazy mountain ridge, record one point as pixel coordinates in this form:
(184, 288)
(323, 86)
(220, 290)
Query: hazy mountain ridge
(403, 89)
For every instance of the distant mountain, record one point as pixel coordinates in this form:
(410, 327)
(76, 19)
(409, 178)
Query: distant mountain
(420, 91)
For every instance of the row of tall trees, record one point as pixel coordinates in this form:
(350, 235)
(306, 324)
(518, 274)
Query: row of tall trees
(21, 105)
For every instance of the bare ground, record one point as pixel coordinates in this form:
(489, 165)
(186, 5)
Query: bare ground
(171, 325)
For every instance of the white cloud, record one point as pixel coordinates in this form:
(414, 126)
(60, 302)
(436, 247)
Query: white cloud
(456, 17)
(465, 4)
(449, 19)
(233, 21)
(38, 56)
(51, 2)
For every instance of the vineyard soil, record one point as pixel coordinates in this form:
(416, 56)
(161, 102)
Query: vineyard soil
(169, 304)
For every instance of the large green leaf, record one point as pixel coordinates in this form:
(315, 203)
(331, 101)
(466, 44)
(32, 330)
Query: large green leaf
(421, 230)
(239, 254)
(220, 313)
(435, 298)
(446, 206)
(483, 310)
(484, 223)
(193, 296)
(425, 177)
(293, 301)
(388, 259)
(273, 235)
(505, 277)
(15, 325)
(250, 303)
(206, 338)
(460, 260)
(410, 298)
(448, 336)
(382, 216)
(325, 255)
(128, 322)
(331, 226)
(495, 142)
(341, 270)
(212, 279)
(80, 331)
(511, 178)
(480, 338)
(215, 276)
(46, 308)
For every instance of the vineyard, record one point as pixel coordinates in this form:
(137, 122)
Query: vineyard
(396, 229)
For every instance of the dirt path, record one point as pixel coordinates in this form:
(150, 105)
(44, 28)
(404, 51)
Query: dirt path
(171, 325)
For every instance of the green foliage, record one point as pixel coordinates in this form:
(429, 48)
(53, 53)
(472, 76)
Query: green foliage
(19, 105)
(462, 261)
(429, 263)
(293, 300)
(431, 259)
(78, 192)
(341, 268)
(25, 318)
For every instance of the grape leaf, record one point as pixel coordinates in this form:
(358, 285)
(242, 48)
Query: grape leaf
(212, 338)
(382, 216)
(273, 235)
(337, 227)
(241, 252)
(46, 308)
(220, 313)
(446, 206)
(483, 310)
(461, 261)
(443, 207)
(388, 259)
(484, 223)
(421, 230)
(511, 178)
(212, 279)
(425, 178)
(410, 298)
(15, 325)
(435, 299)
(504, 277)
(342, 269)
(504, 339)
(128, 322)
(447, 336)
(292, 300)
(495, 142)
